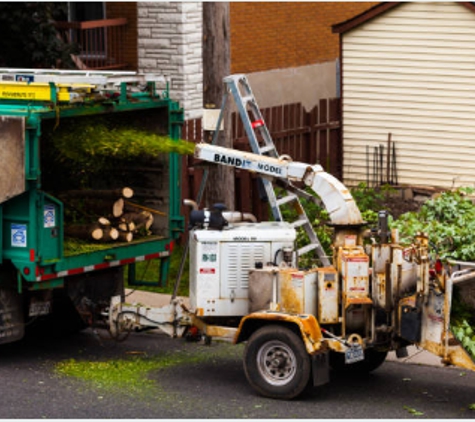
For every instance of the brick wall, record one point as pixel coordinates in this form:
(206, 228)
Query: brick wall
(278, 35)
(170, 43)
(126, 10)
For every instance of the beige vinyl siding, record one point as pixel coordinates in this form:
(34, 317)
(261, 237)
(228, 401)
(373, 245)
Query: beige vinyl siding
(411, 72)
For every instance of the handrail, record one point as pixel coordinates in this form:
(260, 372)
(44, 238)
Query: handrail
(100, 42)
(101, 23)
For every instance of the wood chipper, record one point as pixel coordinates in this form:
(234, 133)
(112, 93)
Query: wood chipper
(43, 272)
(345, 311)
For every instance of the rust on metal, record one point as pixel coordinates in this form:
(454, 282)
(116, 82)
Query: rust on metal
(307, 324)
(328, 296)
(357, 301)
(291, 301)
(451, 355)
(335, 345)
(225, 333)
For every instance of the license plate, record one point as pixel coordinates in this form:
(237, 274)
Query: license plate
(39, 308)
(354, 354)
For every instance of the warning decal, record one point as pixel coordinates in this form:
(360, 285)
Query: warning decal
(49, 216)
(18, 232)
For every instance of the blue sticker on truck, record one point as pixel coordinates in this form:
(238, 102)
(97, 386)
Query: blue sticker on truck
(18, 232)
(49, 216)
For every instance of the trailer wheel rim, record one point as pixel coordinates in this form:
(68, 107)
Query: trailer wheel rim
(276, 362)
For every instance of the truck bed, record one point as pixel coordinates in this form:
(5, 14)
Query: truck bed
(100, 257)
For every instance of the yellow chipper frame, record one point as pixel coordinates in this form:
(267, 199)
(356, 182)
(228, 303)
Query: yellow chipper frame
(345, 311)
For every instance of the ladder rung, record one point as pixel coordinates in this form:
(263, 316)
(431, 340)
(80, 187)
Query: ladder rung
(267, 148)
(298, 223)
(252, 120)
(247, 99)
(286, 200)
(308, 248)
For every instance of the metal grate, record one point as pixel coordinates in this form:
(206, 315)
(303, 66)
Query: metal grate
(241, 258)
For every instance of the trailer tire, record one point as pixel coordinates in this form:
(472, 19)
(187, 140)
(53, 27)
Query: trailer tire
(276, 362)
(373, 360)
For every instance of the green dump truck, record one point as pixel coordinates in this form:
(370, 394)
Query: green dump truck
(43, 273)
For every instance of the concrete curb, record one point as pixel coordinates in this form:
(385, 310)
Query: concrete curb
(149, 299)
(417, 357)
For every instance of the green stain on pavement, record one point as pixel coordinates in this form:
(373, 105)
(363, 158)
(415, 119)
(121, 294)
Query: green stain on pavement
(126, 375)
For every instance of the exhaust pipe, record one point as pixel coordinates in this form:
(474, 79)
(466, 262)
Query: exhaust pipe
(191, 203)
(236, 217)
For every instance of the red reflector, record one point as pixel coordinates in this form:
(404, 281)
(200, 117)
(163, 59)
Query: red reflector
(26, 271)
(257, 123)
(32, 255)
(438, 266)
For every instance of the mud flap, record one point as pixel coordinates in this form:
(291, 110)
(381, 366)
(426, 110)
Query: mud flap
(320, 369)
(11, 316)
(411, 323)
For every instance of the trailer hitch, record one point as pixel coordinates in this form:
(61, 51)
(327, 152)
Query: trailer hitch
(172, 319)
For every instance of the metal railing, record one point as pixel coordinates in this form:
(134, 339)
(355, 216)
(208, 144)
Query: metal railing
(100, 42)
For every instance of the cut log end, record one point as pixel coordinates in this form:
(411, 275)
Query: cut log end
(85, 231)
(103, 221)
(110, 234)
(118, 208)
(97, 233)
(126, 237)
(127, 193)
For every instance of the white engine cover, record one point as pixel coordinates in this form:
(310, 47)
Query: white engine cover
(220, 262)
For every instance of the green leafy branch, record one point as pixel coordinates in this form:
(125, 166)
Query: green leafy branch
(94, 145)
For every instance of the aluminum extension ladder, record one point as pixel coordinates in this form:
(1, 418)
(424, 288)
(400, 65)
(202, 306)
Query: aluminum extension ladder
(261, 143)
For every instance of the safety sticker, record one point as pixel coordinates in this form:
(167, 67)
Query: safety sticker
(19, 235)
(208, 257)
(49, 216)
(207, 271)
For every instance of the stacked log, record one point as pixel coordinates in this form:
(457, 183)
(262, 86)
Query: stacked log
(119, 219)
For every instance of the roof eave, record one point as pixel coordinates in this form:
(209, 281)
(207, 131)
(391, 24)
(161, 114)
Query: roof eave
(377, 10)
(371, 13)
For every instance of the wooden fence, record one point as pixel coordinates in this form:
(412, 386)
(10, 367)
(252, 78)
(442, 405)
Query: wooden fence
(311, 137)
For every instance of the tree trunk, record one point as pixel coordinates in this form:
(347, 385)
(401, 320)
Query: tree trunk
(126, 237)
(98, 193)
(85, 231)
(110, 234)
(216, 66)
(96, 207)
(142, 219)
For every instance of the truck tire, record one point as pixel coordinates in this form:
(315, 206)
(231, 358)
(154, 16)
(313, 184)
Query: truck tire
(373, 360)
(12, 326)
(276, 363)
